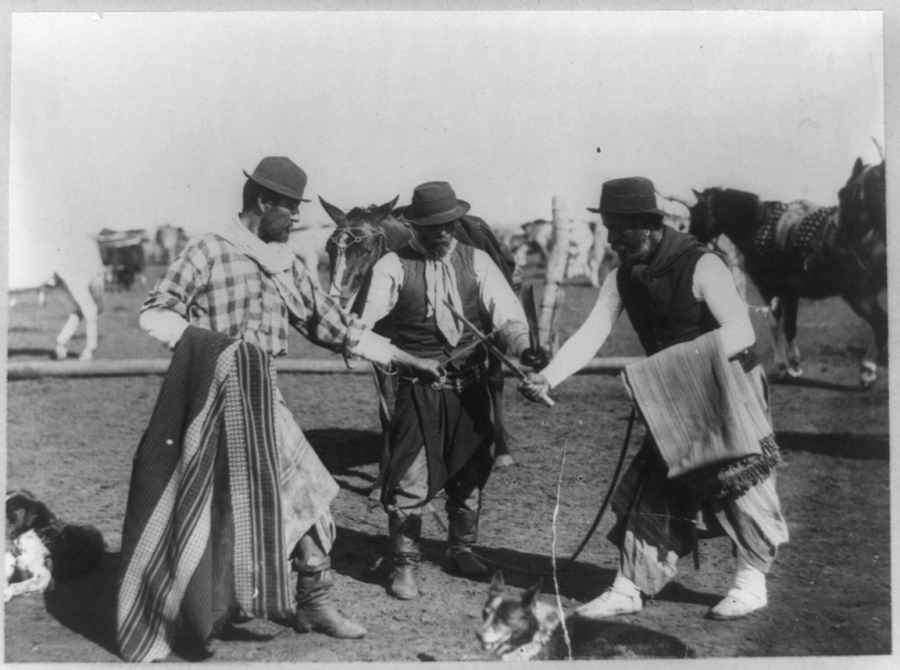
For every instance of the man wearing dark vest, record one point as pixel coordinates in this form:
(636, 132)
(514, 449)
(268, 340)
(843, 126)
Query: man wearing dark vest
(441, 433)
(683, 304)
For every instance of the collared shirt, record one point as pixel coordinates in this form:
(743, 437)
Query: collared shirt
(712, 284)
(497, 298)
(215, 286)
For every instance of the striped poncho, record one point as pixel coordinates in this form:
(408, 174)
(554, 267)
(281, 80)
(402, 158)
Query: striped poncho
(707, 417)
(203, 535)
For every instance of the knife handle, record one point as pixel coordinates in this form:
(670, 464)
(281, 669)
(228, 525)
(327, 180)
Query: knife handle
(547, 401)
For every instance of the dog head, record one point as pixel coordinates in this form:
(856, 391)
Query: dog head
(24, 512)
(509, 620)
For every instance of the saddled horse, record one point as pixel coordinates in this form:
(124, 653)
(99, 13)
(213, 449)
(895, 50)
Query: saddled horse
(77, 271)
(362, 237)
(800, 250)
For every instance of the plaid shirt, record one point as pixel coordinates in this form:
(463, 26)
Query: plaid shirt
(214, 286)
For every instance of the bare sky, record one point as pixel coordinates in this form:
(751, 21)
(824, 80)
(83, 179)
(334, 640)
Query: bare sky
(131, 120)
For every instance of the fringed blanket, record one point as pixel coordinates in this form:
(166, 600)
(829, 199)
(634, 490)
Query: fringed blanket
(708, 420)
(203, 535)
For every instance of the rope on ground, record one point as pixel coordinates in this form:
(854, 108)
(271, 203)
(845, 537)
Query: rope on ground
(559, 605)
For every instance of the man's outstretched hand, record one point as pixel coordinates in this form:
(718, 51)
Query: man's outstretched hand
(534, 387)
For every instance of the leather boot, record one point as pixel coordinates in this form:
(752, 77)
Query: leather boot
(315, 610)
(462, 533)
(405, 535)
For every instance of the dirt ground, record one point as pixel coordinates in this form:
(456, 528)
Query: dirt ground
(71, 442)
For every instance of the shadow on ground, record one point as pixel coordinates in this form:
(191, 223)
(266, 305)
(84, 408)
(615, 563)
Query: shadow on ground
(843, 445)
(87, 605)
(354, 556)
(341, 450)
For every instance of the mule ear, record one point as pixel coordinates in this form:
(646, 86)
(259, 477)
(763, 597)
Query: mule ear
(857, 168)
(336, 214)
(697, 194)
(385, 209)
(530, 595)
(497, 583)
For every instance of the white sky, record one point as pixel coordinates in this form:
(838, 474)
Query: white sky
(132, 120)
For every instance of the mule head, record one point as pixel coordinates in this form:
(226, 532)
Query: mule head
(862, 205)
(703, 224)
(353, 248)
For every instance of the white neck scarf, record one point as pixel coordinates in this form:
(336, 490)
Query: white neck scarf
(275, 259)
(441, 286)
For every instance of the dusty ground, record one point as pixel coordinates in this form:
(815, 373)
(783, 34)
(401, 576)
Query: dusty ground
(72, 441)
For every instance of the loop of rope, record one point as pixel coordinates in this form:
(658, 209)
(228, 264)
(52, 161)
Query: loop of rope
(571, 560)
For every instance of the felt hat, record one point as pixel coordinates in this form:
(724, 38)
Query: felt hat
(433, 203)
(281, 175)
(631, 195)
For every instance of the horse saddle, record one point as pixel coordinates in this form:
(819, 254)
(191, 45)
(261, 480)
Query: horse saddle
(789, 222)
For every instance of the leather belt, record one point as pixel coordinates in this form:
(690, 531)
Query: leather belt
(747, 358)
(454, 380)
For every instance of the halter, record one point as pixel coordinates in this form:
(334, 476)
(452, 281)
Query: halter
(340, 241)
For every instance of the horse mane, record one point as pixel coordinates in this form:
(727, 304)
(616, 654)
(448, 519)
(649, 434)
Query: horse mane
(396, 232)
(739, 206)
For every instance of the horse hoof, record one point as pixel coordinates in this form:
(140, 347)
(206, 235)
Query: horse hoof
(867, 376)
(503, 461)
(86, 355)
(61, 352)
(794, 372)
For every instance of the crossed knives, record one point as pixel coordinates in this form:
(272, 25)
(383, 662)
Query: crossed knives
(531, 315)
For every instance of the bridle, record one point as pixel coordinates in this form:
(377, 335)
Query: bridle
(341, 241)
(345, 239)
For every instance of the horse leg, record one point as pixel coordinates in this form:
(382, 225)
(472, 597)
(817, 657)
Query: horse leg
(791, 304)
(88, 301)
(876, 316)
(68, 330)
(502, 457)
(775, 318)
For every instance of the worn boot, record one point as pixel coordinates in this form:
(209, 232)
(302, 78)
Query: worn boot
(462, 533)
(315, 610)
(405, 534)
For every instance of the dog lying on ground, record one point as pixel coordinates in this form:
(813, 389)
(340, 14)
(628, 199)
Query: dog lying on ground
(522, 628)
(42, 550)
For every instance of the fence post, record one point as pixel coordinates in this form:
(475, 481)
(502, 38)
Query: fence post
(554, 293)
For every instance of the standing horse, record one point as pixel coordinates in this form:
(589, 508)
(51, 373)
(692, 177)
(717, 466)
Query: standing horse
(799, 250)
(76, 269)
(362, 237)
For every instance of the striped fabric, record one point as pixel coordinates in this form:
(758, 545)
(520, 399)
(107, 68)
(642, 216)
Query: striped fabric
(215, 286)
(202, 536)
(703, 411)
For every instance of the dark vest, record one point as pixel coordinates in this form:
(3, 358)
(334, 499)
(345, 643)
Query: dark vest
(659, 297)
(418, 334)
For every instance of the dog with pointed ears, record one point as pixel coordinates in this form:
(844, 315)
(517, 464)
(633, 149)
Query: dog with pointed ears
(520, 627)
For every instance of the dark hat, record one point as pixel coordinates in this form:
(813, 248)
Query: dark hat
(631, 195)
(433, 203)
(281, 175)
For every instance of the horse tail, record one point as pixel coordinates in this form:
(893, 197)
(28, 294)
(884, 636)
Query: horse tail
(96, 289)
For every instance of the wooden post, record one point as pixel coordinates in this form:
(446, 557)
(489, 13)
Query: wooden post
(556, 274)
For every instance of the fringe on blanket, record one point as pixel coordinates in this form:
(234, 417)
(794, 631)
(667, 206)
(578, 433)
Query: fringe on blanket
(738, 477)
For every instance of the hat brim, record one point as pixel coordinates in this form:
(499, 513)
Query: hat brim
(598, 210)
(436, 219)
(272, 186)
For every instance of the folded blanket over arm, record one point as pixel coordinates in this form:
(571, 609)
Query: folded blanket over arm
(706, 415)
(203, 537)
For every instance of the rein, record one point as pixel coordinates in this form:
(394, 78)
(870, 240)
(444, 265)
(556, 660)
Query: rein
(569, 562)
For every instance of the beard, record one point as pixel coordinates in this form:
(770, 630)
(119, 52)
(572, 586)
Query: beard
(438, 248)
(275, 226)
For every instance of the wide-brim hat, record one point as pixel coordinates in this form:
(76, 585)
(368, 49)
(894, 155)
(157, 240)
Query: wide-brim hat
(631, 195)
(281, 175)
(433, 203)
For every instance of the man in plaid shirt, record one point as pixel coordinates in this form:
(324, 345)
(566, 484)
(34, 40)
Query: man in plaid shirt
(246, 283)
